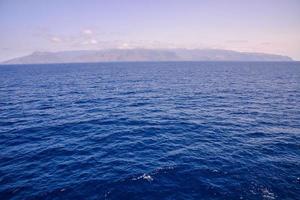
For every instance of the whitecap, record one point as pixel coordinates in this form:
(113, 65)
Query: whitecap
(145, 177)
(267, 194)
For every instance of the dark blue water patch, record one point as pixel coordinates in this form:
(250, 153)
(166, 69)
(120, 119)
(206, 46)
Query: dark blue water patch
(170, 130)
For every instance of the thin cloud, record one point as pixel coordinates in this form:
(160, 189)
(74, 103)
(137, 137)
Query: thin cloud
(55, 39)
(87, 32)
(266, 43)
(237, 41)
(93, 41)
(90, 42)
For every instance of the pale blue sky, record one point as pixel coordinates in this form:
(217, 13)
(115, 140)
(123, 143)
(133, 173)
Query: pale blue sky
(271, 26)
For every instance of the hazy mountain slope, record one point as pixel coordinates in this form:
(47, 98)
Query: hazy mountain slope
(227, 55)
(144, 55)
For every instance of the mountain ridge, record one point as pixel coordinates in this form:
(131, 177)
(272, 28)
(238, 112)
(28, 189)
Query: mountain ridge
(112, 55)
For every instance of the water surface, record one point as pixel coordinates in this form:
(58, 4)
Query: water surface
(170, 130)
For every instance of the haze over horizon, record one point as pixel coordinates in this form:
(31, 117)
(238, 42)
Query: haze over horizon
(253, 26)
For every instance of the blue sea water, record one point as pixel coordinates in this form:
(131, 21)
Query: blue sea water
(158, 130)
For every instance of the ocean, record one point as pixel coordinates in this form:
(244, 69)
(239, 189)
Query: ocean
(150, 130)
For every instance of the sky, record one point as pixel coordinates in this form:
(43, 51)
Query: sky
(270, 26)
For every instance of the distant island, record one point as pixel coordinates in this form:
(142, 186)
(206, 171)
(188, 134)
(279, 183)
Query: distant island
(118, 55)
